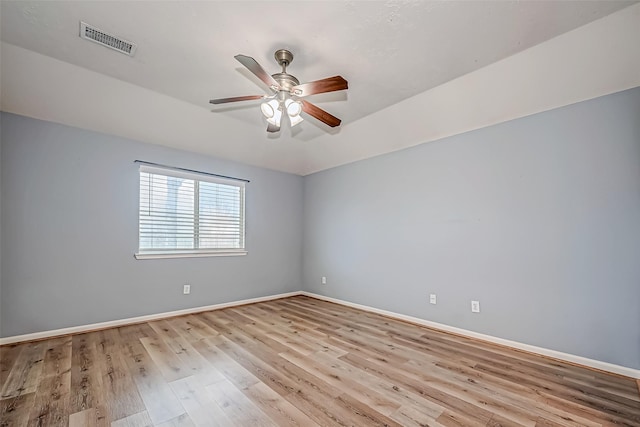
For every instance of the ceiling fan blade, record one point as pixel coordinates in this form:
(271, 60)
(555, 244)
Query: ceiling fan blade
(330, 84)
(256, 69)
(320, 114)
(236, 98)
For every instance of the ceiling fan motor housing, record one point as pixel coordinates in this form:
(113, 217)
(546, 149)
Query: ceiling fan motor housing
(285, 80)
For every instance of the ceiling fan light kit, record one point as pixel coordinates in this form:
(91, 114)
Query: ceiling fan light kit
(287, 93)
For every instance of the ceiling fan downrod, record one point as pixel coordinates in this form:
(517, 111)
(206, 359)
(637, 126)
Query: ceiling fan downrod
(284, 58)
(284, 79)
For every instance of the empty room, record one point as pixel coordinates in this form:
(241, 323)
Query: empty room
(320, 213)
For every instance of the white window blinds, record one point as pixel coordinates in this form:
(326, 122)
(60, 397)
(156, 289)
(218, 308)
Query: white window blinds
(190, 214)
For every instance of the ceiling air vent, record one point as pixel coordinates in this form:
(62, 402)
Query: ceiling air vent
(95, 35)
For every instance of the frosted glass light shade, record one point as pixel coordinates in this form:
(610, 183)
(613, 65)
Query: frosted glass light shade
(275, 120)
(269, 108)
(294, 108)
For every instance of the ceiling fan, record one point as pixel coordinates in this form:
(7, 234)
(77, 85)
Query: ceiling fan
(287, 93)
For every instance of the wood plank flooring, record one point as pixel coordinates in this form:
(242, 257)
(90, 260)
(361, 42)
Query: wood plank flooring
(298, 362)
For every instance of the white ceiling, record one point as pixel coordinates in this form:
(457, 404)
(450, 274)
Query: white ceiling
(389, 51)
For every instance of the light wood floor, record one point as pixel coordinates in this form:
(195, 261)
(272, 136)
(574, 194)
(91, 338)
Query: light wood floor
(298, 361)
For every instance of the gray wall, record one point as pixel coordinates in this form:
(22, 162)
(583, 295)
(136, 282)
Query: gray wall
(69, 232)
(537, 218)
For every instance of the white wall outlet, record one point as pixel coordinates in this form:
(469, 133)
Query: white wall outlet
(186, 289)
(475, 306)
(432, 298)
(324, 280)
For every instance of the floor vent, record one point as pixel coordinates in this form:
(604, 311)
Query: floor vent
(98, 36)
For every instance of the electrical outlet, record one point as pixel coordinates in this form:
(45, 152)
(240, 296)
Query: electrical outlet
(475, 306)
(432, 298)
(186, 289)
(324, 280)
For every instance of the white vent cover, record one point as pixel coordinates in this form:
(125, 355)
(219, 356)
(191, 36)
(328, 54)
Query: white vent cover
(93, 34)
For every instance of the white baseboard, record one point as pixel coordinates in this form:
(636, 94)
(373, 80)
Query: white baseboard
(591, 363)
(579, 360)
(139, 319)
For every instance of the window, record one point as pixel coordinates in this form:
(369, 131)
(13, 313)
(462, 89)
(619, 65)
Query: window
(189, 214)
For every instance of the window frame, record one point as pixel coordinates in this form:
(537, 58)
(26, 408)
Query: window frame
(197, 177)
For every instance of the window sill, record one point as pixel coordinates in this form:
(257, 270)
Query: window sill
(165, 255)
